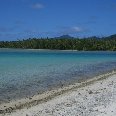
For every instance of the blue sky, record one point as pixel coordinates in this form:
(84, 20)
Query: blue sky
(21, 19)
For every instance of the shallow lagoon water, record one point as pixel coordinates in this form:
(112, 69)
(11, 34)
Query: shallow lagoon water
(24, 73)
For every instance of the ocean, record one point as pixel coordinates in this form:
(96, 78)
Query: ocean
(24, 73)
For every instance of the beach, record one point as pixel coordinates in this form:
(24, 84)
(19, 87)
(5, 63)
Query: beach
(47, 83)
(54, 66)
(93, 97)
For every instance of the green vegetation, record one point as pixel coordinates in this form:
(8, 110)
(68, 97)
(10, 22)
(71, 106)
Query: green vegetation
(63, 43)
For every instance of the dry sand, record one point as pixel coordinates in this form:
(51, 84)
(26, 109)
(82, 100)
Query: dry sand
(96, 98)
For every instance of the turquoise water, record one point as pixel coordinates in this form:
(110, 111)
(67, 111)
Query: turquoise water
(27, 72)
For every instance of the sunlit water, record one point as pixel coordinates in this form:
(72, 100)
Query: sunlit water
(27, 72)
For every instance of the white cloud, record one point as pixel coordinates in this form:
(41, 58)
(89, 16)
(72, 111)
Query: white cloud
(71, 30)
(38, 6)
(76, 29)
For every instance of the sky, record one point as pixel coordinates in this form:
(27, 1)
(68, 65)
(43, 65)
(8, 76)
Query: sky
(21, 19)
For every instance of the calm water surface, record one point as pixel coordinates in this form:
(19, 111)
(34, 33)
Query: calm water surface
(27, 72)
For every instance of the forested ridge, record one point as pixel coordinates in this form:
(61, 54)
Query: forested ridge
(64, 43)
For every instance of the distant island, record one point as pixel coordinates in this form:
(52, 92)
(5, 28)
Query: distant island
(65, 42)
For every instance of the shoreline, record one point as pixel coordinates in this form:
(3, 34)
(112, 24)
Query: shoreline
(67, 50)
(37, 49)
(41, 98)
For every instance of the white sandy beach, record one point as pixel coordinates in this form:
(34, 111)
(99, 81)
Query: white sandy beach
(95, 99)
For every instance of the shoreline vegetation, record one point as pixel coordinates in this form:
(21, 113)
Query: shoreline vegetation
(42, 98)
(64, 43)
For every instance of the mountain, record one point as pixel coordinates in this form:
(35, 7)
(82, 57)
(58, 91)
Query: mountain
(64, 37)
(112, 37)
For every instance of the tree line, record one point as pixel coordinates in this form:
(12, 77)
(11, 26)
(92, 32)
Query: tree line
(86, 44)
